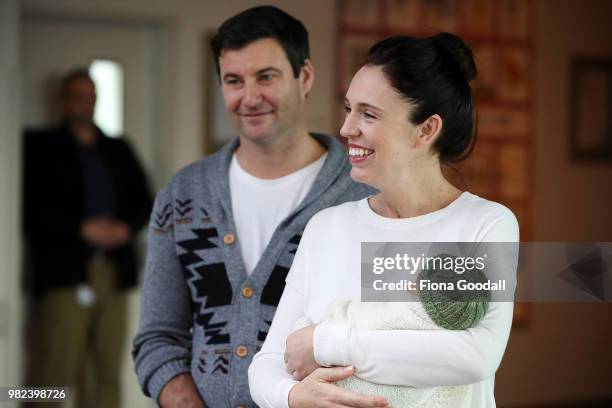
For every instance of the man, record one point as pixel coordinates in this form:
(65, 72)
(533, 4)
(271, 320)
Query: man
(85, 198)
(224, 231)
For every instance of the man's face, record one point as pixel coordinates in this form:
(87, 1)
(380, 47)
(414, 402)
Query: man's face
(261, 94)
(80, 101)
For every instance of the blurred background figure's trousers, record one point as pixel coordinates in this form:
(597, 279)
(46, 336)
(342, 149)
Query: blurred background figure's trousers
(73, 326)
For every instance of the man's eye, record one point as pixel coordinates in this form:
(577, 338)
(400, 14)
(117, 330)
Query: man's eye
(232, 81)
(266, 77)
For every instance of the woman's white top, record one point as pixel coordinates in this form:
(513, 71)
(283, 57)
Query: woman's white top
(327, 267)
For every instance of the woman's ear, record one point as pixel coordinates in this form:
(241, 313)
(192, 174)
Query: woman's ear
(429, 131)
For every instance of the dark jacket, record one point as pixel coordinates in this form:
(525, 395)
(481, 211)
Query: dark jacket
(53, 208)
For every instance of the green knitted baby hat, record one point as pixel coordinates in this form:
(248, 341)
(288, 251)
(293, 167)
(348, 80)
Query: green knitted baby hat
(453, 309)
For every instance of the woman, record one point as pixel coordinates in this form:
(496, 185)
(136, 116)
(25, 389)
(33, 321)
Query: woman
(409, 109)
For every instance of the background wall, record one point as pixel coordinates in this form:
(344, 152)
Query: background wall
(564, 355)
(573, 199)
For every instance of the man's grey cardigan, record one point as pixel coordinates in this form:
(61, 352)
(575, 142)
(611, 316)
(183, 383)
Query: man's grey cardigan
(200, 312)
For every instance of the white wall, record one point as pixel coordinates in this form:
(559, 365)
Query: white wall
(10, 169)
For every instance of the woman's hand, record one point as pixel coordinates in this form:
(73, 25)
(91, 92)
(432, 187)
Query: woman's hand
(318, 390)
(299, 353)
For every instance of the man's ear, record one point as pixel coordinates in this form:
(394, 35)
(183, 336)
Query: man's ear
(429, 131)
(306, 77)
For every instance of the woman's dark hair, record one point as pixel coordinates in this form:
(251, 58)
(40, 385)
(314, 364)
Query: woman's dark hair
(264, 22)
(433, 74)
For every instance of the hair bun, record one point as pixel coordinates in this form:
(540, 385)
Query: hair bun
(459, 51)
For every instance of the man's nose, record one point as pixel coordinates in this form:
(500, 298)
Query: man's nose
(252, 95)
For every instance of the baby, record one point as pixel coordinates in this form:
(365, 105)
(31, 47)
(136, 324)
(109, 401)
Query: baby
(437, 310)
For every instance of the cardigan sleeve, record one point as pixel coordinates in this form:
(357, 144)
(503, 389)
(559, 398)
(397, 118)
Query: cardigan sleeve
(422, 358)
(162, 346)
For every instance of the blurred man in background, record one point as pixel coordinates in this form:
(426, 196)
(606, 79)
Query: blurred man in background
(85, 199)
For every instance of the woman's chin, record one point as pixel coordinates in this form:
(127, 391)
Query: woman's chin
(360, 176)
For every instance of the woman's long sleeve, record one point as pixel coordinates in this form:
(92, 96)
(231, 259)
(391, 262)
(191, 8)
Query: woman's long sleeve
(418, 358)
(421, 358)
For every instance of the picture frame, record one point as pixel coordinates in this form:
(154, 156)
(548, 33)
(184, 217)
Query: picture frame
(360, 13)
(514, 19)
(403, 15)
(591, 109)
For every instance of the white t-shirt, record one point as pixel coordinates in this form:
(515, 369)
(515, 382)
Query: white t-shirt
(327, 267)
(259, 205)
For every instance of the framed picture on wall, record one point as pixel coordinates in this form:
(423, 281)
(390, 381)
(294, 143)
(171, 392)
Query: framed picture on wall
(403, 15)
(513, 75)
(477, 17)
(591, 109)
(495, 122)
(514, 19)
(439, 15)
(360, 13)
(486, 86)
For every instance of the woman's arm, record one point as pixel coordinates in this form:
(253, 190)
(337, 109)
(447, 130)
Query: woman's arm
(422, 358)
(418, 358)
(268, 380)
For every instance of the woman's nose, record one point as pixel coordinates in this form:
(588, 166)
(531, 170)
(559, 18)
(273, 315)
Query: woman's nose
(349, 128)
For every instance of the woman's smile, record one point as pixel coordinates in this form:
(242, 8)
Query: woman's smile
(359, 154)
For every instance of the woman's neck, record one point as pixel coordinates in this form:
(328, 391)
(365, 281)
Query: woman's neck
(418, 193)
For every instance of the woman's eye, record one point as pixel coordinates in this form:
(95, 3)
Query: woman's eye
(347, 109)
(368, 115)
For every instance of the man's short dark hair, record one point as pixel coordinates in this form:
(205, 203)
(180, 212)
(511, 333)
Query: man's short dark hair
(264, 22)
(73, 75)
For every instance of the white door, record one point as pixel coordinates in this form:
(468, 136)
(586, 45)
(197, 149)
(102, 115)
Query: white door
(51, 46)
